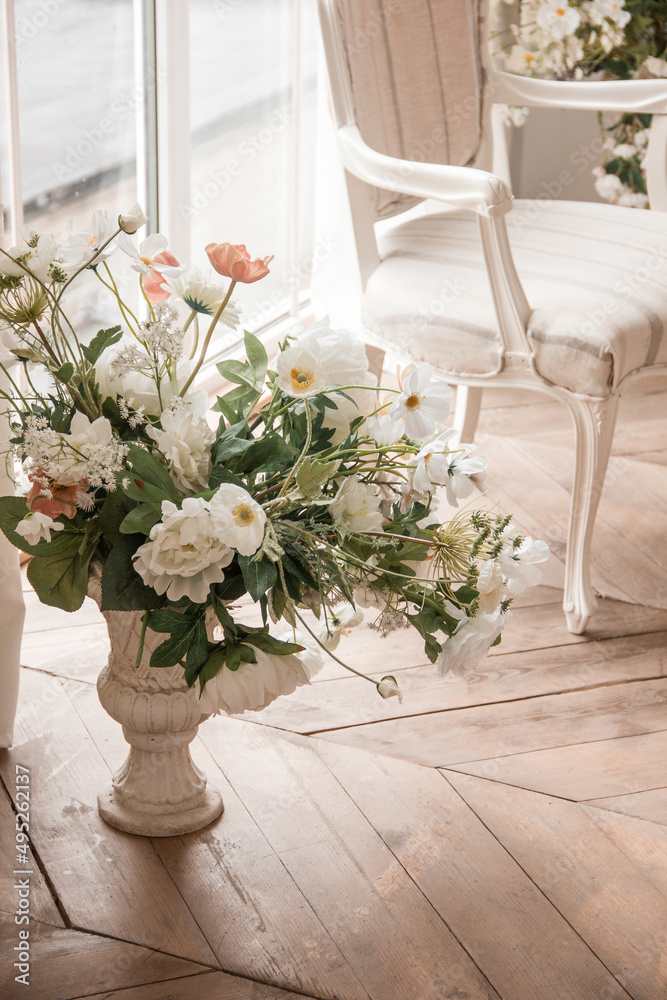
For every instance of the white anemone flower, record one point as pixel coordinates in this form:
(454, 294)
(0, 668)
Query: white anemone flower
(462, 651)
(144, 255)
(184, 554)
(612, 9)
(79, 248)
(253, 686)
(357, 506)
(558, 19)
(655, 66)
(384, 430)
(443, 462)
(36, 526)
(340, 622)
(521, 566)
(239, 518)
(491, 586)
(299, 373)
(420, 405)
(37, 259)
(201, 292)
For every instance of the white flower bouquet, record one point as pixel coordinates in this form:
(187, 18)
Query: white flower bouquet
(311, 490)
(599, 39)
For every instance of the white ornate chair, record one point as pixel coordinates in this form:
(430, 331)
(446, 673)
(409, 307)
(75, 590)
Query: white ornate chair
(412, 92)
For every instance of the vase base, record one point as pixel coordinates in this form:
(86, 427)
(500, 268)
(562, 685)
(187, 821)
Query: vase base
(145, 824)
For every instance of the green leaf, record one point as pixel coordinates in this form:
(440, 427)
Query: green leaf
(60, 576)
(170, 652)
(149, 469)
(100, 342)
(140, 520)
(237, 372)
(257, 357)
(268, 644)
(258, 576)
(65, 372)
(269, 453)
(122, 587)
(312, 475)
(221, 475)
(224, 450)
(114, 509)
(213, 665)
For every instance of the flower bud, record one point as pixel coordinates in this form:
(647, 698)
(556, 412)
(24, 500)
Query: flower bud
(132, 220)
(388, 688)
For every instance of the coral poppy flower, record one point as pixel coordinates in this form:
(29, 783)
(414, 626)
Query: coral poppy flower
(234, 262)
(62, 501)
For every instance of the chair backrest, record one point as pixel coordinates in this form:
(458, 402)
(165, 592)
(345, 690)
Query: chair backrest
(411, 76)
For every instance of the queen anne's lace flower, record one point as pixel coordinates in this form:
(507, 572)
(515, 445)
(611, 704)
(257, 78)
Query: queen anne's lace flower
(90, 452)
(184, 554)
(185, 441)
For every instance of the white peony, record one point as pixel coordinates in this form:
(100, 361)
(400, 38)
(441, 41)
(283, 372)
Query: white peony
(184, 554)
(255, 685)
(238, 518)
(357, 506)
(137, 388)
(185, 441)
(462, 651)
(35, 526)
(421, 405)
(339, 622)
(521, 566)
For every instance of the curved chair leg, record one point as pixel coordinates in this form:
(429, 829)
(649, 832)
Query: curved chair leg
(466, 413)
(594, 422)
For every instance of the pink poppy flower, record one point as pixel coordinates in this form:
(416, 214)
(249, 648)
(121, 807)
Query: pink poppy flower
(234, 262)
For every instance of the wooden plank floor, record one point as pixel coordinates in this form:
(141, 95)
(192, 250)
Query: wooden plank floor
(502, 836)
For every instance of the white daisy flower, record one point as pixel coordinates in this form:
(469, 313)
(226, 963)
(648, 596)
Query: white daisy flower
(340, 622)
(421, 406)
(144, 256)
(299, 373)
(239, 518)
(35, 526)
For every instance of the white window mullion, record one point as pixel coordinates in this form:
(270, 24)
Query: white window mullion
(12, 138)
(294, 164)
(172, 23)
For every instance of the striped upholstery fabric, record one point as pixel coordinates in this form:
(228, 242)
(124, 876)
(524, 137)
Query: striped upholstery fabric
(428, 52)
(595, 276)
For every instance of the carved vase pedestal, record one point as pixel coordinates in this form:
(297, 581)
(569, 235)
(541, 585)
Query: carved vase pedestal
(159, 791)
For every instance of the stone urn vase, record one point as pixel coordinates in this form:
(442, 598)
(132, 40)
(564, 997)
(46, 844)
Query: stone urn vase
(159, 791)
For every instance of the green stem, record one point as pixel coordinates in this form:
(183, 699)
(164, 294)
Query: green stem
(207, 339)
(142, 636)
(309, 437)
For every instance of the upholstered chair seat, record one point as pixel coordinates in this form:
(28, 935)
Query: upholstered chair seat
(595, 277)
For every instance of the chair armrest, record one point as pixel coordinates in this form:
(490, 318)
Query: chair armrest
(639, 96)
(465, 187)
